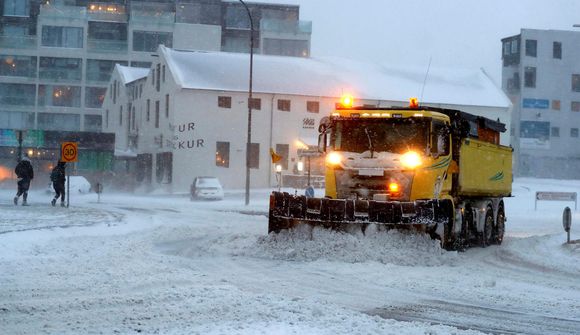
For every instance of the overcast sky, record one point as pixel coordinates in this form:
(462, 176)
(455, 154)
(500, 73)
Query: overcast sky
(464, 33)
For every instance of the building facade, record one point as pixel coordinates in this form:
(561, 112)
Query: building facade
(57, 56)
(188, 115)
(541, 76)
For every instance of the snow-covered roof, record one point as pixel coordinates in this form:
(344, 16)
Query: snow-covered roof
(332, 77)
(130, 74)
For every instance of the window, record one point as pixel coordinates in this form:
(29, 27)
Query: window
(557, 50)
(107, 37)
(16, 120)
(575, 106)
(60, 69)
(576, 82)
(254, 155)
(515, 46)
(284, 151)
(163, 73)
(100, 70)
(507, 48)
(166, 105)
(530, 77)
(17, 94)
(225, 102)
(222, 154)
(312, 106)
(107, 118)
(284, 47)
(256, 103)
(555, 132)
(440, 139)
(111, 32)
(141, 64)
(115, 92)
(16, 7)
(556, 105)
(59, 96)
(157, 87)
(164, 167)
(152, 77)
(513, 84)
(18, 66)
(148, 114)
(531, 48)
(236, 17)
(149, 40)
(121, 115)
(573, 132)
(93, 123)
(283, 105)
(62, 37)
(56, 121)
(157, 114)
(94, 96)
(133, 118)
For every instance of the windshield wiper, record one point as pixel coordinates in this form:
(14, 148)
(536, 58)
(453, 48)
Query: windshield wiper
(370, 141)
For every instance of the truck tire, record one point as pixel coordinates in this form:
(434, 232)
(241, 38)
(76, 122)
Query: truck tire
(499, 225)
(487, 235)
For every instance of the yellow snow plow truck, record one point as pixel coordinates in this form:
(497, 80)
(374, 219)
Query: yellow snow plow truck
(433, 170)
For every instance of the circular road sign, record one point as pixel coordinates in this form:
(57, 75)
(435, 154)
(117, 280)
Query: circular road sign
(69, 152)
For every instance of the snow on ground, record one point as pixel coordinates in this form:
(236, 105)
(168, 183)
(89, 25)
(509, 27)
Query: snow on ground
(163, 264)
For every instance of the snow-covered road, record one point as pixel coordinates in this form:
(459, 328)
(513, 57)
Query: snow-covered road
(163, 264)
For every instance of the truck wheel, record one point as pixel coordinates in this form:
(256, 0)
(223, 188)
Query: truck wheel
(467, 228)
(499, 226)
(487, 234)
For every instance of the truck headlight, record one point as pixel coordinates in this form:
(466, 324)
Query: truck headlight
(333, 158)
(411, 159)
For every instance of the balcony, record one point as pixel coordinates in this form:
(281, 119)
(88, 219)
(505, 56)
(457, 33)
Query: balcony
(104, 46)
(17, 100)
(152, 18)
(285, 26)
(60, 75)
(63, 12)
(106, 12)
(18, 42)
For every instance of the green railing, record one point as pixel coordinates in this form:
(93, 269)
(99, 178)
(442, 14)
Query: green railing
(285, 26)
(60, 75)
(18, 42)
(97, 45)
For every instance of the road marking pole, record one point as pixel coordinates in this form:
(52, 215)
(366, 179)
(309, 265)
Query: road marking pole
(68, 154)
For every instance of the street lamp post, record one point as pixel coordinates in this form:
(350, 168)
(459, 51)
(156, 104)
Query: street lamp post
(248, 144)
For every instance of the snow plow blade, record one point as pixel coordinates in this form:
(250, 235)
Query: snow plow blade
(288, 211)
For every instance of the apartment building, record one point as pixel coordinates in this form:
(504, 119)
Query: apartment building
(57, 56)
(541, 76)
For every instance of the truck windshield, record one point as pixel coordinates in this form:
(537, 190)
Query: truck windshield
(390, 135)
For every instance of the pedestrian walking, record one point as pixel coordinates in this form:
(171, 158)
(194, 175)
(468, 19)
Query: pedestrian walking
(58, 177)
(25, 174)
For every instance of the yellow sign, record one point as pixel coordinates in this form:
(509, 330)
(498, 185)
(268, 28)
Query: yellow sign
(69, 152)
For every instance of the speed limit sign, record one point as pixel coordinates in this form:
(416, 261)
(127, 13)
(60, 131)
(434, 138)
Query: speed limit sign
(69, 152)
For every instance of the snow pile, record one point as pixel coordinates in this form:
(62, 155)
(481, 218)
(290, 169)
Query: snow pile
(386, 247)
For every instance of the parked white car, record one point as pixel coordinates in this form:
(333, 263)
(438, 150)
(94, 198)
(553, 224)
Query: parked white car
(78, 184)
(206, 188)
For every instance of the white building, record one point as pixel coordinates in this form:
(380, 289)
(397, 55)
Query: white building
(188, 116)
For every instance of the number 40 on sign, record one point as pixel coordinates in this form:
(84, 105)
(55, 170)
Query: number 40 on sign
(69, 152)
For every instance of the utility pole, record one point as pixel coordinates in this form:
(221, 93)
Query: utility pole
(249, 142)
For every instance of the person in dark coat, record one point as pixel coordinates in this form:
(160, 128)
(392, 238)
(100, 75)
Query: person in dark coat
(25, 174)
(58, 177)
